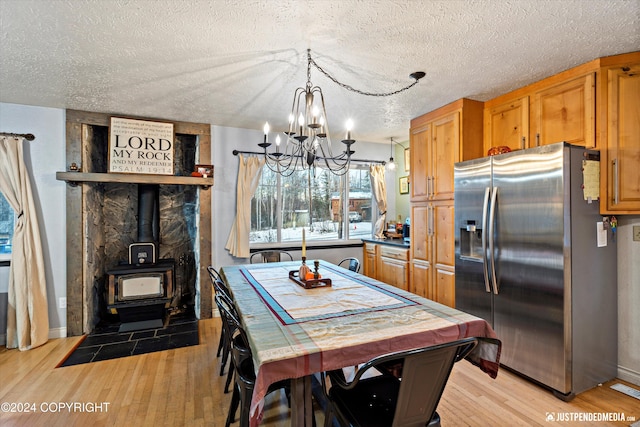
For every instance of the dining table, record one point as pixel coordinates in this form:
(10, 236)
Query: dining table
(296, 331)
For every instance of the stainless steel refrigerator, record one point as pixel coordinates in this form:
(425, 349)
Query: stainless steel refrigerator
(531, 260)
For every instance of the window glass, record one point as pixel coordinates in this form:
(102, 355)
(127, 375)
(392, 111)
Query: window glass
(314, 199)
(7, 217)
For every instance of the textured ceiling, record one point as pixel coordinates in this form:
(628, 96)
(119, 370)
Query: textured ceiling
(237, 63)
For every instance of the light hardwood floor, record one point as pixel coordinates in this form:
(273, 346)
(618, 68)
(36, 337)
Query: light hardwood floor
(182, 388)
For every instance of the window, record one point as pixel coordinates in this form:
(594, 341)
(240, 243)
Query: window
(317, 201)
(7, 217)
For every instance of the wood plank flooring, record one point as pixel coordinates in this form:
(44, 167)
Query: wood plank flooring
(182, 387)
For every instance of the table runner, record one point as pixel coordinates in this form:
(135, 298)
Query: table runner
(296, 332)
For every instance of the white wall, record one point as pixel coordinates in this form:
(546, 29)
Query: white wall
(628, 300)
(44, 156)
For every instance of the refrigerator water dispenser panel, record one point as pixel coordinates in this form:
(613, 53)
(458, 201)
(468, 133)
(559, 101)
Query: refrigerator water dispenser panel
(471, 242)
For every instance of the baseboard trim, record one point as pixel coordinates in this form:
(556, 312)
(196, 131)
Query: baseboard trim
(53, 333)
(629, 375)
(58, 333)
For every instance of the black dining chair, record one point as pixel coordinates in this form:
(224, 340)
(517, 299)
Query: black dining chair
(242, 364)
(225, 304)
(219, 287)
(350, 263)
(271, 255)
(405, 391)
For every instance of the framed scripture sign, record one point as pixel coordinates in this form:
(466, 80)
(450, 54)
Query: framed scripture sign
(140, 146)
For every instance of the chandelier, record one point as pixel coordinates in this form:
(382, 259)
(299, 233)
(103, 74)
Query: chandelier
(307, 142)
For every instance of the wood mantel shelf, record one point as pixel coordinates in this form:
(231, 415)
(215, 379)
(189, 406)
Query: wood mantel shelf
(74, 178)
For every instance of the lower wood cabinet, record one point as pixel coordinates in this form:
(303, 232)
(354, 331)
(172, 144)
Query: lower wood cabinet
(389, 264)
(432, 251)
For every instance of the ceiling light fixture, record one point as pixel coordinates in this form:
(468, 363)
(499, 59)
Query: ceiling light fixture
(391, 165)
(307, 141)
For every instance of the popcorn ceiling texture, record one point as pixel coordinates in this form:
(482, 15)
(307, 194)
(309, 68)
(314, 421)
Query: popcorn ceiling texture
(237, 63)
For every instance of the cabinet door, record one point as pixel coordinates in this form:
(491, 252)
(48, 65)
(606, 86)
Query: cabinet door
(444, 237)
(420, 232)
(566, 112)
(369, 260)
(394, 272)
(445, 152)
(420, 283)
(507, 125)
(623, 139)
(420, 156)
(445, 284)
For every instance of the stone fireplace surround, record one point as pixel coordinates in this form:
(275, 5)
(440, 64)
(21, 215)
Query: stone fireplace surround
(102, 216)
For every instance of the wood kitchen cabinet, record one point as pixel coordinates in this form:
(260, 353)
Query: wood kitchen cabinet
(438, 140)
(565, 112)
(369, 256)
(387, 263)
(595, 105)
(620, 162)
(560, 108)
(507, 124)
(393, 266)
(433, 251)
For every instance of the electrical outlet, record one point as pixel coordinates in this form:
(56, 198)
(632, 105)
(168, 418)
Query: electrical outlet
(62, 302)
(636, 233)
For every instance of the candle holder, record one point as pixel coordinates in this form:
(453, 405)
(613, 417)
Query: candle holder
(308, 279)
(304, 269)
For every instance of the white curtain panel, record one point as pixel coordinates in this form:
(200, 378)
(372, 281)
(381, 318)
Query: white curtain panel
(376, 172)
(27, 311)
(249, 173)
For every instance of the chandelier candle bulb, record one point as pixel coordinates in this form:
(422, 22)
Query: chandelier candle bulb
(349, 127)
(300, 122)
(266, 131)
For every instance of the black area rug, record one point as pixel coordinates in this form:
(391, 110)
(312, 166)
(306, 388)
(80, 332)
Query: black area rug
(107, 343)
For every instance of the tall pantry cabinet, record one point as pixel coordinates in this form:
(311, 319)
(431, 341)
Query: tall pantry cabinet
(439, 139)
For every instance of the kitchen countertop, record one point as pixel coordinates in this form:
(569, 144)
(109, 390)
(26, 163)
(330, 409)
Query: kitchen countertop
(390, 242)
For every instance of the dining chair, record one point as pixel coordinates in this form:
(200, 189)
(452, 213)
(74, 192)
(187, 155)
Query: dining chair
(225, 304)
(219, 286)
(271, 255)
(350, 263)
(242, 363)
(404, 392)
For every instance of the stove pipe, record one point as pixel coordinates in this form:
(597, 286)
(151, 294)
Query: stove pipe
(148, 213)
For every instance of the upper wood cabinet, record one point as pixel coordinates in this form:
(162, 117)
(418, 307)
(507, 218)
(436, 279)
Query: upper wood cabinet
(620, 164)
(565, 112)
(595, 105)
(438, 140)
(554, 110)
(507, 124)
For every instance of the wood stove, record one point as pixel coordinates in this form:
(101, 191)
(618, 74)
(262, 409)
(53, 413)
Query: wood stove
(142, 291)
(140, 294)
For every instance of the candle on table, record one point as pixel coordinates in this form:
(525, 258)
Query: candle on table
(304, 245)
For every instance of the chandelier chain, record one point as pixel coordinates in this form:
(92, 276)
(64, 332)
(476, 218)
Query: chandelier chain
(351, 88)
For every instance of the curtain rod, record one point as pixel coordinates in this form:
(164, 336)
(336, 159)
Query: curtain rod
(383, 162)
(27, 136)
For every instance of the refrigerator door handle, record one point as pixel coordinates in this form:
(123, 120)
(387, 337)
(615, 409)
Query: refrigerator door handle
(485, 207)
(492, 218)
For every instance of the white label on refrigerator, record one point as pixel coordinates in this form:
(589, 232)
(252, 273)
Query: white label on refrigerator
(601, 234)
